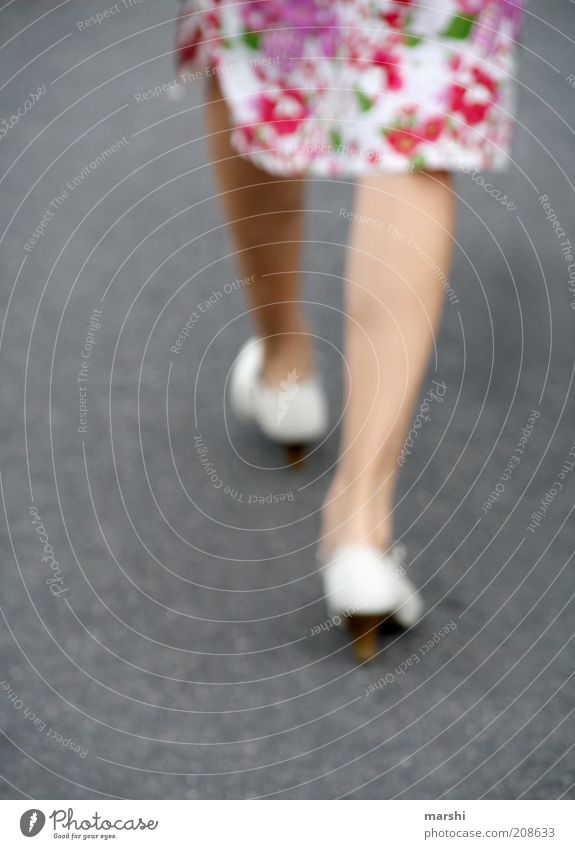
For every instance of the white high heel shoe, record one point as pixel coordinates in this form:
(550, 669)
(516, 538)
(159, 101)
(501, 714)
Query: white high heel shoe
(362, 586)
(293, 414)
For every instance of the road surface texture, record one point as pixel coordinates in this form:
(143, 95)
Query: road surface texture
(163, 632)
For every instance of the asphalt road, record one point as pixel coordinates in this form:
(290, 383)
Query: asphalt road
(164, 645)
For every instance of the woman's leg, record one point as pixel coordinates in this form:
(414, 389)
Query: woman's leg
(265, 215)
(403, 226)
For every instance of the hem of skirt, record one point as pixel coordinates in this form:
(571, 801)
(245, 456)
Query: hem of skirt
(277, 165)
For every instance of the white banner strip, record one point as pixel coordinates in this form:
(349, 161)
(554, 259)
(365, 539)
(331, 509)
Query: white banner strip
(279, 824)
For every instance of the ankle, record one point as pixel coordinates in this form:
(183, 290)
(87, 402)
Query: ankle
(355, 515)
(287, 353)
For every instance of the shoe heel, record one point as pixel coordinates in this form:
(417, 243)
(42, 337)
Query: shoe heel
(295, 455)
(364, 632)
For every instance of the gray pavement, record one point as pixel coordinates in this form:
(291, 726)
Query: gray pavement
(173, 654)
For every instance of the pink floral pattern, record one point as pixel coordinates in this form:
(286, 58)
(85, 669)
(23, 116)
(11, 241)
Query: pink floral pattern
(343, 87)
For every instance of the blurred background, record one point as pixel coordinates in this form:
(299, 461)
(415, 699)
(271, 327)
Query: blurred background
(162, 629)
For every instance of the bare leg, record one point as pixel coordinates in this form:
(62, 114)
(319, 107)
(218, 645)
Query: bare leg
(265, 215)
(394, 300)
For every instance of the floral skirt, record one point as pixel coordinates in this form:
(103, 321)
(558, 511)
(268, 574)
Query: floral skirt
(345, 87)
